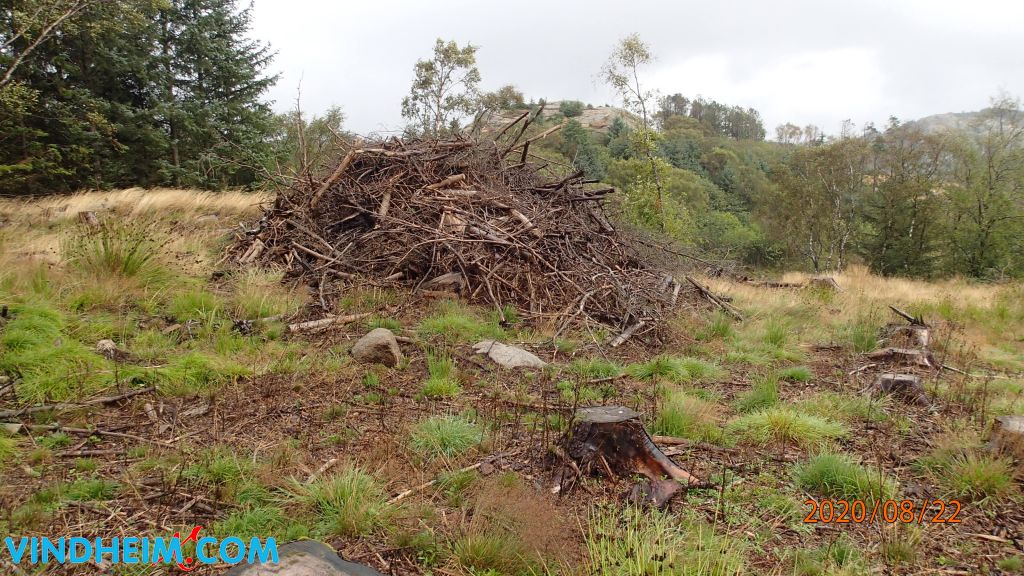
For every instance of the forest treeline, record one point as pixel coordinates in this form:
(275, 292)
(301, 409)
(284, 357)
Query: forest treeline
(118, 93)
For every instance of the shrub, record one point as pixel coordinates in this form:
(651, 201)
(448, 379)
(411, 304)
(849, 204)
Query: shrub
(571, 108)
(785, 425)
(837, 476)
(445, 436)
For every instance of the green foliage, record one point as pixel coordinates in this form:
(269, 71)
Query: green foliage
(350, 503)
(90, 489)
(783, 424)
(8, 450)
(193, 116)
(636, 542)
(260, 522)
(674, 369)
(491, 554)
(837, 476)
(444, 89)
(965, 471)
(570, 108)
(445, 436)
(594, 368)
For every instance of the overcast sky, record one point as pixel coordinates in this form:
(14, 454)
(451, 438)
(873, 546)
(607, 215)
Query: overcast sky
(799, 61)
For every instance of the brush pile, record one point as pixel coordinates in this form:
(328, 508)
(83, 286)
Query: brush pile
(457, 216)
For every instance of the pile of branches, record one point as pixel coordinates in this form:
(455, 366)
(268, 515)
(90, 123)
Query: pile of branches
(477, 217)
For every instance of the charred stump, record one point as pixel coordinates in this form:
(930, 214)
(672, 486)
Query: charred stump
(611, 441)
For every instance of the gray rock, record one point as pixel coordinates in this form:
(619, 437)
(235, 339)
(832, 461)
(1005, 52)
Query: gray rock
(379, 346)
(304, 558)
(508, 356)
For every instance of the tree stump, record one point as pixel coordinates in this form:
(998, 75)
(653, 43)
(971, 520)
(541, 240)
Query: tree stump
(905, 356)
(826, 283)
(88, 218)
(908, 335)
(611, 441)
(1007, 436)
(906, 387)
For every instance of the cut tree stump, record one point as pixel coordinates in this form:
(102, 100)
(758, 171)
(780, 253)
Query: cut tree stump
(906, 387)
(914, 335)
(1007, 436)
(611, 441)
(908, 356)
(824, 283)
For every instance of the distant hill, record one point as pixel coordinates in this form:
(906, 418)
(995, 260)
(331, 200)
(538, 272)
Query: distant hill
(596, 118)
(967, 121)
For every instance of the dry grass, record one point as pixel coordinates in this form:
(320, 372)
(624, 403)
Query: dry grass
(132, 201)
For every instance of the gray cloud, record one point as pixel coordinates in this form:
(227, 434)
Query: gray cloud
(795, 60)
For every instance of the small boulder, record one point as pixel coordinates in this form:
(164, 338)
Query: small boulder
(508, 356)
(1008, 436)
(304, 558)
(379, 346)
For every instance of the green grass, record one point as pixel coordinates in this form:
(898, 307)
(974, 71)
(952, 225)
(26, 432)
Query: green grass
(796, 374)
(838, 476)
(491, 554)
(114, 248)
(594, 368)
(862, 335)
(635, 542)
(198, 374)
(977, 477)
(848, 408)
(686, 416)
(1011, 564)
(258, 293)
(720, 326)
(445, 436)
(350, 503)
(442, 381)
(52, 365)
(763, 394)
(840, 558)
(8, 450)
(219, 467)
(775, 333)
(674, 369)
(455, 323)
(90, 489)
(783, 424)
(261, 522)
(196, 304)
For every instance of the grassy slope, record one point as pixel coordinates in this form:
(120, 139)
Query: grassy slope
(770, 405)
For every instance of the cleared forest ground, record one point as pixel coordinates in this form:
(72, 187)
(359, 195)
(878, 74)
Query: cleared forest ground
(250, 431)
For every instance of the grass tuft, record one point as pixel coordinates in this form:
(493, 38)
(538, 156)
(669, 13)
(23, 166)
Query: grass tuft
(443, 381)
(445, 436)
(114, 248)
(686, 416)
(456, 323)
(350, 503)
(837, 476)
(796, 374)
(763, 394)
(782, 424)
(674, 369)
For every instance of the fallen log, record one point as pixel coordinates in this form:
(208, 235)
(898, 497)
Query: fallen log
(325, 323)
(71, 406)
(904, 356)
(611, 440)
(725, 306)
